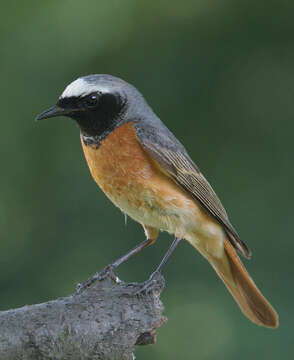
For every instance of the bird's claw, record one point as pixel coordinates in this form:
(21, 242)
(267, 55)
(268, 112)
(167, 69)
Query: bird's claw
(150, 285)
(107, 272)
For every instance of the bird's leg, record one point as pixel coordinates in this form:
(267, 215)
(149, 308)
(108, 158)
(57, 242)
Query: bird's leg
(148, 285)
(108, 271)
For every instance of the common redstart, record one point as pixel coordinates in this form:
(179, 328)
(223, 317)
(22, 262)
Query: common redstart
(146, 172)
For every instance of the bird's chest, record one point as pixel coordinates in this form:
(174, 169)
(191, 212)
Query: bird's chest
(121, 167)
(133, 182)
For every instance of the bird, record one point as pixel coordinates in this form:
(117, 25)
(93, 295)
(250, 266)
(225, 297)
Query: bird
(147, 173)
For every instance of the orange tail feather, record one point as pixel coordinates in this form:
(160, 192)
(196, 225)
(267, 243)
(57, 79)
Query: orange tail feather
(236, 278)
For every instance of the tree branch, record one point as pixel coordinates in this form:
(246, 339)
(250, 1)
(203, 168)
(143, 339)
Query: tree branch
(103, 322)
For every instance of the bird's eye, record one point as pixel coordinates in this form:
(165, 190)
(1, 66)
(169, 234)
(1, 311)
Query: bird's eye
(91, 101)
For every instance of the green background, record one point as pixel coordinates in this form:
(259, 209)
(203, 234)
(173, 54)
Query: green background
(220, 75)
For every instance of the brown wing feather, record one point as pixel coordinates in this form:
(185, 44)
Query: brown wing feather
(182, 169)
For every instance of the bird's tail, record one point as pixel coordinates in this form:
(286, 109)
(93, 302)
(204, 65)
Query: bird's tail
(236, 278)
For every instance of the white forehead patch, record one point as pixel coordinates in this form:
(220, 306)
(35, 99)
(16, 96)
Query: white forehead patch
(80, 87)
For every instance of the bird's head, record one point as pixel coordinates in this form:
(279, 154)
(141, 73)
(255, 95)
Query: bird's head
(98, 103)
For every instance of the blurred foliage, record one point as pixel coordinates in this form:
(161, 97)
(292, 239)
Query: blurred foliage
(220, 75)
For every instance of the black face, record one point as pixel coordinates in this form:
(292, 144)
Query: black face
(96, 113)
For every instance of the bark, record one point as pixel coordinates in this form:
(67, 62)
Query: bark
(105, 322)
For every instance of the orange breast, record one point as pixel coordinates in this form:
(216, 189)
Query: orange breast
(134, 182)
(119, 165)
(128, 175)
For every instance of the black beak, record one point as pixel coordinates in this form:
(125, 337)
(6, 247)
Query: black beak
(53, 112)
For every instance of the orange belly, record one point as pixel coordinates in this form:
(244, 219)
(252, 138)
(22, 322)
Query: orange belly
(133, 181)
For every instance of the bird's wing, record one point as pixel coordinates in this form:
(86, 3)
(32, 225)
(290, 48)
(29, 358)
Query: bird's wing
(170, 154)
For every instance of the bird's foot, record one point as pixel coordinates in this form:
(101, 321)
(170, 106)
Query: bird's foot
(154, 283)
(107, 272)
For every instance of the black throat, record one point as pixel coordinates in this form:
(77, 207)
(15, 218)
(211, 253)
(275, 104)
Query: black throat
(96, 124)
(94, 140)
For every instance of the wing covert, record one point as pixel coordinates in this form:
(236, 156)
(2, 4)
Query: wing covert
(173, 158)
